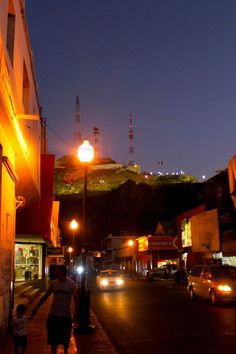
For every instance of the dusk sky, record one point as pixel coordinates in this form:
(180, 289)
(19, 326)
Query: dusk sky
(172, 63)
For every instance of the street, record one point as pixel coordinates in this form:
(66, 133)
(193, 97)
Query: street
(159, 318)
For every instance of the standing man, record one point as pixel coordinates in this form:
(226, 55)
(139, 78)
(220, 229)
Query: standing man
(59, 321)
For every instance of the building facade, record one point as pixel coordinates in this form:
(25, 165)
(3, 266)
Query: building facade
(20, 140)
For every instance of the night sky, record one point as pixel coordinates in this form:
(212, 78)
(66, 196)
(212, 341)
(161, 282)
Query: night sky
(172, 63)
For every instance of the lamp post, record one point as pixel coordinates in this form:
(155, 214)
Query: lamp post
(131, 243)
(74, 226)
(85, 155)
(70, 250)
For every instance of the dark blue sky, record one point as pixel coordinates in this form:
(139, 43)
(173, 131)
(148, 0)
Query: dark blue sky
(172, 63)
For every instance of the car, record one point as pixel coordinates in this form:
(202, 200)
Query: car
(215, 282)
(110, 279)
(166, 271)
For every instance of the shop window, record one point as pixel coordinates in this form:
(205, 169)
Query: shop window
(11, 30)
(28, 261)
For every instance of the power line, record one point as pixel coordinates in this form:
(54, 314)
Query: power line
(57, 136)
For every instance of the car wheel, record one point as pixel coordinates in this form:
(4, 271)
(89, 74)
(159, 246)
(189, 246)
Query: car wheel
(191, 293)
(213, 297)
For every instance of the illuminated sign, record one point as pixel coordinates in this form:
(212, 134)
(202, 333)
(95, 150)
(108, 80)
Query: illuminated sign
(186, 236)
(162, 243)
(142, 244)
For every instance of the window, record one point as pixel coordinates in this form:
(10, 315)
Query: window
(196, 271)
(25, 89)
(11, 30)
(28, 261)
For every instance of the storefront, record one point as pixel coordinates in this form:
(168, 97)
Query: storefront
(154, 251)
(28, 261)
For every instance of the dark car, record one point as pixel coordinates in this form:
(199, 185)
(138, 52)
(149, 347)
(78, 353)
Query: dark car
(166, 271)
(215, 282)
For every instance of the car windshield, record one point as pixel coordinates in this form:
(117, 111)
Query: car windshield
(109, 274)
(223, 272)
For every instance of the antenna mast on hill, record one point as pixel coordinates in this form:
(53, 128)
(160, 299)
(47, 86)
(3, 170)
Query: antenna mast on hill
(131, 140)
(77, 132)
(96, 141)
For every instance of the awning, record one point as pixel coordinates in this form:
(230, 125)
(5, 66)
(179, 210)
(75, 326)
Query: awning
(29, 239)
(35, 219)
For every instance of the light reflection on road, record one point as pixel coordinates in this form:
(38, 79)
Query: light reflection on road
(114, 300)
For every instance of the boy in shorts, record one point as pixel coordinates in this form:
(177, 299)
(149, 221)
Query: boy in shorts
(19, 329)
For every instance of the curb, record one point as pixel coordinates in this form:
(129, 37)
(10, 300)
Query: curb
(110, 349)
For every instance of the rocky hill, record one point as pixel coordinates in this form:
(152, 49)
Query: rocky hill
(121, 199)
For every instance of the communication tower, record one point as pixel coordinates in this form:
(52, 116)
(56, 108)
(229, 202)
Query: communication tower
(131, 140)
(96, 141)
(77, 133)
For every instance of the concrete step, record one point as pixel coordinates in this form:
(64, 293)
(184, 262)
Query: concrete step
(25, 291)
(27, 295)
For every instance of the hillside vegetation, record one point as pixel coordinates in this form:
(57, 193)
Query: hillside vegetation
(105, 177)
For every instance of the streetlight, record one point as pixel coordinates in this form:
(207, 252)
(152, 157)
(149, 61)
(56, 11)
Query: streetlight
(74, 226)
(85, 155)
(70, 250)
(131, 243)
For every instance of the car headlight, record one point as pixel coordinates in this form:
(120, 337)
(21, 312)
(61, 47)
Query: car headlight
(120, 282)
(79, 269)
(104, 282)
(224, 288)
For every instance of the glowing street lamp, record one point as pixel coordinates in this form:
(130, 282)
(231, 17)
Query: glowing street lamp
(131, 243)
(85, 155)
(85, 152)
(74, 226)
(70, 250)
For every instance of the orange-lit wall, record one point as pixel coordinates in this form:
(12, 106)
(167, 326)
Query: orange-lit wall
(20, 141)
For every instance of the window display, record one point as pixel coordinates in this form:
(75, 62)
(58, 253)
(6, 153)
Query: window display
(28, 261)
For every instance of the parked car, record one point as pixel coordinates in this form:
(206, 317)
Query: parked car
(110, 279)
(215, 282)
(166, 271)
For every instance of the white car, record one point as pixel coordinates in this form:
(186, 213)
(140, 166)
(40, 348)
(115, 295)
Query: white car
(110, 279)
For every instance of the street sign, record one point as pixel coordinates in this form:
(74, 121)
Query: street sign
(54, 251)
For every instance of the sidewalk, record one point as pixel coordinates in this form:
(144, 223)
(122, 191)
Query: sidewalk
(95, 343)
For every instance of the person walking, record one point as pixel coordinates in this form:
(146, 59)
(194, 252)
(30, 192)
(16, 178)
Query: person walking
(59, 320)
(19, 323)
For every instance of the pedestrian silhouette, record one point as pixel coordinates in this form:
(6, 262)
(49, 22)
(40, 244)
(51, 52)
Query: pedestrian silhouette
(59, 321)
(19, 323)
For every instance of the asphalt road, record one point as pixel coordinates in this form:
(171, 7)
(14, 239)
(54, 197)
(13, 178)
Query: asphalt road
(151, 318)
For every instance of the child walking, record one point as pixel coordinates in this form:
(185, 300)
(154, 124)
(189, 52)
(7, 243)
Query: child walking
(19, 329)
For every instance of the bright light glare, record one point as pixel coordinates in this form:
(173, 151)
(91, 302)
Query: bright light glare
(85, 152)
(225, 288)
(120, 281)
(80, 269)
(74, 224)
(104, 282)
